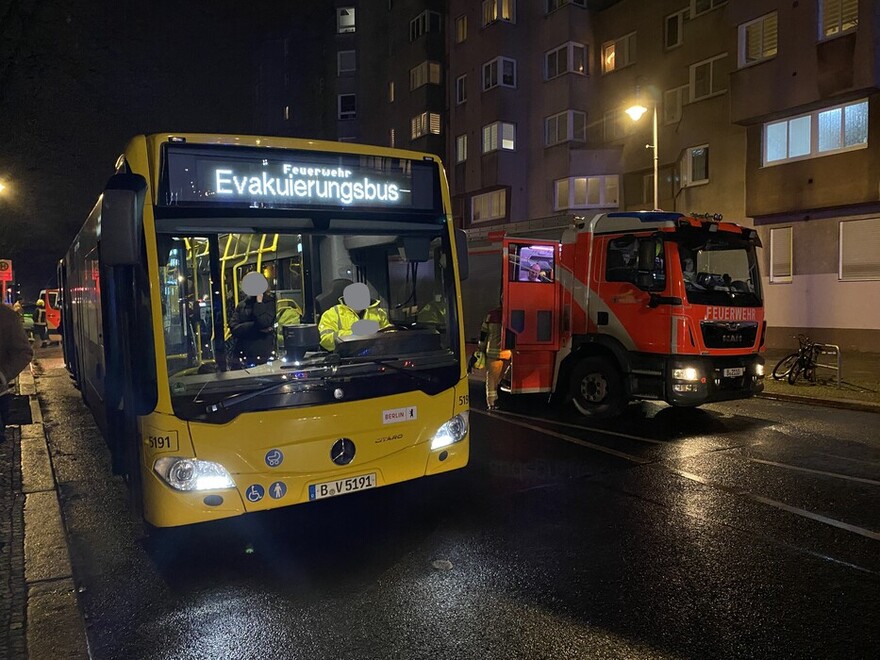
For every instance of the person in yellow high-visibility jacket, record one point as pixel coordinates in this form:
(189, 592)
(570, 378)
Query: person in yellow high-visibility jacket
(496, 357)
(354, 315)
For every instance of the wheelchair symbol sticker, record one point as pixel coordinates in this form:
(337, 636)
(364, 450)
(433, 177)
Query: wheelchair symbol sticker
(277, 490)
(274, 457)
(255, 493)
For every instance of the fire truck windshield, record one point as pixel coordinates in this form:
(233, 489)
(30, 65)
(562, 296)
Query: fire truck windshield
(718, 270)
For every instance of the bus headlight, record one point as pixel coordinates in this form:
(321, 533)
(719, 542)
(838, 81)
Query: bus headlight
(192, 474)
(451, 432)
(686, 373)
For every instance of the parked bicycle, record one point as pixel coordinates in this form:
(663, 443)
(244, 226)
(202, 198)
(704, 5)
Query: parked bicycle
(800, 363)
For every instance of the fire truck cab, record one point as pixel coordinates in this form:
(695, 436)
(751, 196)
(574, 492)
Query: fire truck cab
(635, 305)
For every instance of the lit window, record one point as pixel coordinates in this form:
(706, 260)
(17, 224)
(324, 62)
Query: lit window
(345, 19)
(427, 122)
(860, 249)
(565, 126)
(553, 5)
(674, 29)
(819, 133)
(702, 6)
(499, 135)
(708, 78)
(498, 10)
(489, 206)
(619, 53)
(780, 254)
(461, 89)
(427, 21)
(461, 148)
(581, 192)
(460, 29)
(507, 69)
(570, 57)
(424, 73)
(837, 17)
(346, 62)
(347, 106)
(673, 99)
(694, 166)
(758, 40)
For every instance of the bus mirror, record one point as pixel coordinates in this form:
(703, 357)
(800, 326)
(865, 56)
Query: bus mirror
(461, 247)
(122, 220)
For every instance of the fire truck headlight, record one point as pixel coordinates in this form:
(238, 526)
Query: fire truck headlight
(687, 373)
(759, 370)
(451, 432)
(192, 474)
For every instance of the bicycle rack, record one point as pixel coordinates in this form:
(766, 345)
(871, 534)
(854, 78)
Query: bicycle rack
(830, 349)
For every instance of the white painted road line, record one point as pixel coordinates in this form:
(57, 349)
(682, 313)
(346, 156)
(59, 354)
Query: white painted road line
(823, 473)
(587, 428)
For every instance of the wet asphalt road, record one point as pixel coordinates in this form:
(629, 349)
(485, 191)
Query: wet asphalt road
(749, 529)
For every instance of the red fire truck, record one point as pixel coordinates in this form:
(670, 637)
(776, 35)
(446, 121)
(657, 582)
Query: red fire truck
(53, 309)
(635, 305)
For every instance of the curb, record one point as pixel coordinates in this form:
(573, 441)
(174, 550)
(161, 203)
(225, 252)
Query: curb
(54, 623)
(843, 404)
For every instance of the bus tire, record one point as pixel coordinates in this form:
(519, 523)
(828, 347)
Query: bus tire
(597, 388)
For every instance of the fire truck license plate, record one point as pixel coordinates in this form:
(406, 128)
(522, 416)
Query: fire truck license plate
(342, 486)
(733, 372)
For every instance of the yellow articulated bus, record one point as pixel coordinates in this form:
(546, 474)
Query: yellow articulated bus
(257, 322)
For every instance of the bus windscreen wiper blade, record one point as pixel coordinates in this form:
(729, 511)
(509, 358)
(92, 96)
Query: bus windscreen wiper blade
(236, 399)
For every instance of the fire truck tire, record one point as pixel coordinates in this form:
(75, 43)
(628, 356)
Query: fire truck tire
(596, 388)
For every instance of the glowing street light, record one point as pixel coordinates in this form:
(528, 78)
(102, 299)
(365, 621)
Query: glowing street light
(635, 112)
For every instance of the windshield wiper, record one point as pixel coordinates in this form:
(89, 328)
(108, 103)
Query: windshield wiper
(429, 378)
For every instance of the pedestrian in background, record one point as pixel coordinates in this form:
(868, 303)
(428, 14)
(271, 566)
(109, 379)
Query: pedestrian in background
(15, 355)
(496, 358)
(41, 327)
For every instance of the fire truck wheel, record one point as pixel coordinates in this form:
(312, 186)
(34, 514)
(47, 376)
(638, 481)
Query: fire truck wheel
(596, 388)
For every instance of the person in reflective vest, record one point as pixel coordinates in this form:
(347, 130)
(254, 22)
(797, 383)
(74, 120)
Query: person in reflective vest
(496, 357)
(354, 316)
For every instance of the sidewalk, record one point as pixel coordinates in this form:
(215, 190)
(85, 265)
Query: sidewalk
(39, 612)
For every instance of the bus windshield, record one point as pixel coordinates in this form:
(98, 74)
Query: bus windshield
(720, 270)
(307, 338)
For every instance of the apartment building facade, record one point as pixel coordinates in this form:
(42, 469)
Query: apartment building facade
(525, 100)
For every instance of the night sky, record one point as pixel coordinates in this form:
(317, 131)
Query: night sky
(79, 78)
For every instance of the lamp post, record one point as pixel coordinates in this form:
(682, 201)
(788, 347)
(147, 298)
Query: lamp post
(635, 112)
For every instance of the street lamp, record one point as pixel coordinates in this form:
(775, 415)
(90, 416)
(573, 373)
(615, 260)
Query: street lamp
(635, 112)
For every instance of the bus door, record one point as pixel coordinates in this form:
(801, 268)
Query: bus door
(531, 309)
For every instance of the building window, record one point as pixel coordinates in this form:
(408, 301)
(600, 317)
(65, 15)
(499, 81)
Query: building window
(491, 69)
(498, 10)
(489, 206)
(860, 249)
(616, 125)
(694, 166)
(699, 7)
(461, 89)
(780, 254)
(499, 135)
(568, 58)
(427, 21)
(673, 100)
(674, 29)
(461, 148)
(347, 106)
(565, 126)
(391, 91)
(345, 20)
(584, 192)
(819, 133)
(346, 62)
(427, 122)
(708, 78)
(757, 40)
(424, 73)
(837, 17)
(553, 5)
(619, 53)
(460, 28)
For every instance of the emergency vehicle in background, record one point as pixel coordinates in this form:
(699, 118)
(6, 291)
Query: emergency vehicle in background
(52, 305)
(635, 305)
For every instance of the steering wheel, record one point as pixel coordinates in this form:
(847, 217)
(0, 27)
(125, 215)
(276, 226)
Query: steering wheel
(393, 327)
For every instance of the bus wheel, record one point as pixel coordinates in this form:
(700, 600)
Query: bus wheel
(596, 388)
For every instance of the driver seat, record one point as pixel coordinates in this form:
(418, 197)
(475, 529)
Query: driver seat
(326, 300)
